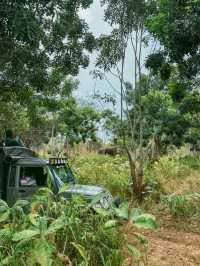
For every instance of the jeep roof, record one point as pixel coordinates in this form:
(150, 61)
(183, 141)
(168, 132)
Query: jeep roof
(21, 156)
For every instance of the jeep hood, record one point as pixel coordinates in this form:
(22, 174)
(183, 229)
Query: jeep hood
(88, 192)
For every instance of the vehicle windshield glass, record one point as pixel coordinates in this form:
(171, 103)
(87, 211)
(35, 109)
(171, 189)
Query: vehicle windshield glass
(64, 173)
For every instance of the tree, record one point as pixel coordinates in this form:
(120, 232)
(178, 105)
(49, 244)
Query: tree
(128, 20)
(78, 123)
(42, 45)
(175, 24)
(38, 41)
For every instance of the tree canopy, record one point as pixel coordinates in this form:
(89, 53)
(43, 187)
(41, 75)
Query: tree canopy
(175, 24)
(41, 42)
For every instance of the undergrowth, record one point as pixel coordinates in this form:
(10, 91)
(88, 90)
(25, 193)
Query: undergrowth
(112, 173)
(174, 176)
(50, 232)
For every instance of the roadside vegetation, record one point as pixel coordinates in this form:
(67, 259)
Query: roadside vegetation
(148, 107)
(50, 230)
(173, 182)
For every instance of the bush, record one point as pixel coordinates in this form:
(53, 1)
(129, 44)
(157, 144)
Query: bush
(168, 168)
(183, 206)
(112, 173)
(173, 174)
(51, 231)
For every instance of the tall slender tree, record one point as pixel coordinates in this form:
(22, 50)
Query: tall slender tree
(128, 19)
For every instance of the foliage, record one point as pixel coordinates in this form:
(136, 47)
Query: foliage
(78, 123)
(175, 25)
(56, 232)
(41, 40)
(52, 231)
(51, 113)
(43, 44)
(170, 112)
(112, 173)
(13, 116)
(164, 119)
(183, 206)
(175, 173)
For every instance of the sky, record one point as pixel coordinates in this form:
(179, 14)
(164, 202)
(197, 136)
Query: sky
(94, 17)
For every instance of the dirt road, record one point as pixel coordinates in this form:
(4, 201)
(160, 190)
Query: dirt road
(169, 247)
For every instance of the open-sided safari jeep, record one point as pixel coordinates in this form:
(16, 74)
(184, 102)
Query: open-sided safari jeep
(22, 173)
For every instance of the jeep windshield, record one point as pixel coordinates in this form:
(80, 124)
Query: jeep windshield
(63, 174)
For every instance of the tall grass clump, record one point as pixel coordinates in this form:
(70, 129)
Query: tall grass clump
(183, 206)
(175, 174)
(112, 173)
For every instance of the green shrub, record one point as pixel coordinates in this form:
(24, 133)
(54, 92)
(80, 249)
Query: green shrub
(167, 168)
(183, 206)
(175, 174)
(112, 173)
(193, 162)
(53, 231)
(50, 231)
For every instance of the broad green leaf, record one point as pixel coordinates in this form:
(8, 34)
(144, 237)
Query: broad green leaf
(21, 203)
(40, 254)
(4, 216)
(17, 209)
(3, 209)
(33, 218)
(56, 225)
(3, 203)
(111, 224)
(64, 188)
(134, 213)
(43, 253)
(25, 234)
(146, 221)
(102, 212)
(45, 192)
(123, 211)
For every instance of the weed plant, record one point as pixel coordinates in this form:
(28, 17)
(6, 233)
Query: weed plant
(112, 173)
(50, 231)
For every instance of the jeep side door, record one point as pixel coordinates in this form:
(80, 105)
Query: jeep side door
(12, 187)
(32, 178)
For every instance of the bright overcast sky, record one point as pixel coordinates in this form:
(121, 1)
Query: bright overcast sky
(94, 17)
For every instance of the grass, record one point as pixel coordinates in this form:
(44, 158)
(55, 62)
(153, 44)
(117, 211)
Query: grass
(111, 173)
(171, 174)
(174, 177)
